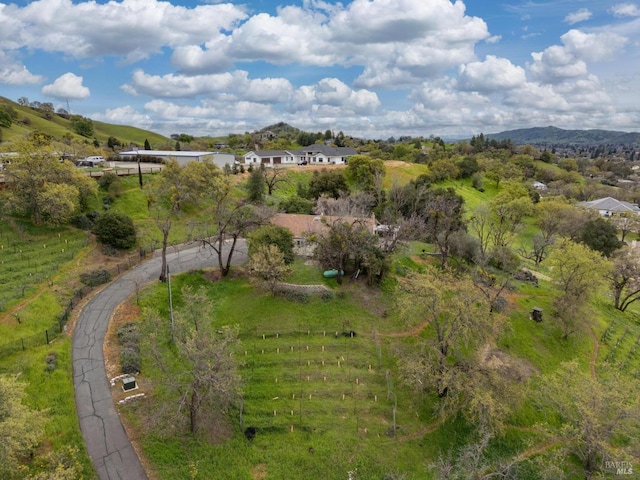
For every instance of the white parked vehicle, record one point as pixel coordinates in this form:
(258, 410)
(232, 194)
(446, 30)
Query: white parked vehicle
(91, 161)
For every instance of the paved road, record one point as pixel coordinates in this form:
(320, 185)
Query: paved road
(107, 443)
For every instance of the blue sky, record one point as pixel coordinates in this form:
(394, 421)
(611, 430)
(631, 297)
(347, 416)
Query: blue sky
(371, 68)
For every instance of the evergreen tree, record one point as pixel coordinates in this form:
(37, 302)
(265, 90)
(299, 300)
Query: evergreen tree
(256, 186)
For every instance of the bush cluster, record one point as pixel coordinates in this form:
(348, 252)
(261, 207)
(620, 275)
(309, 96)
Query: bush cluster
(115, 230)
(129, 338)
(295, 296)
(51, 360)
(95, 278)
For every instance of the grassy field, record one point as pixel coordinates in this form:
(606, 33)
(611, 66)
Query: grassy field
(306, 385)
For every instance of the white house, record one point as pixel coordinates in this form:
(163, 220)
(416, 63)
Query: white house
(539, 185)
(609, 206)
(270, 158)
(317, 154)
(182, 157)
(320, 154)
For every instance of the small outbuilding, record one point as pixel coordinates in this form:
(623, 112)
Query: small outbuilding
(536, 314)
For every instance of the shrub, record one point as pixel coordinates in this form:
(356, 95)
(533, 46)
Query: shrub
(82, 222)
(297, 204)
(327, 296)
(107, 179)
(111, 183)
(115, 230)
(499, 305)
(128, 333)
(129, 337)
(130, 360)
(477, 182)
(95, 278)
(295, 296)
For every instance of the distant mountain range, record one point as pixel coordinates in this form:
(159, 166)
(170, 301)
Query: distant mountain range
(558, 136)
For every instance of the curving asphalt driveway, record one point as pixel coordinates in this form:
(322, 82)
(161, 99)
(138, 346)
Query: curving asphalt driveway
(107, 443)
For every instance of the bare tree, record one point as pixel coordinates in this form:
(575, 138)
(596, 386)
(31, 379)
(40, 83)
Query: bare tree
(358, 204)
(624, 278)
(273, 177)
(175, 189)
(202, 369)
(232, 218)
(443, 217)
(626, 222)
(473, 463)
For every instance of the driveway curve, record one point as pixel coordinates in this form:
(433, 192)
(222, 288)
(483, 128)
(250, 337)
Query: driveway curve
(107, 443)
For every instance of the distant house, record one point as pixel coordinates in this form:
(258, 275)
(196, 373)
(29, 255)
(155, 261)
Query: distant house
(270, 158)
(182, 157)
(304, 226)
(539, 186)
(609, 206)
(320, 154)
(317, 154)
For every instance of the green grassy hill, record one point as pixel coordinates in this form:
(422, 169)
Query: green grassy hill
(26, 120)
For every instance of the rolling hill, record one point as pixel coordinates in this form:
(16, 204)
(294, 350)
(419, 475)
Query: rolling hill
(558, 136)
(25, 119)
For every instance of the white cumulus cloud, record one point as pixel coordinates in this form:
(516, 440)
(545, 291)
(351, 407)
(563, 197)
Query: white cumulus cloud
(570, 60)
(491, 75)
(67, 86)
(15, 73)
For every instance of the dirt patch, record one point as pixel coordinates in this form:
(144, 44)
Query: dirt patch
(124, 313)
(259, 472)
(214, 275)
(516, 369)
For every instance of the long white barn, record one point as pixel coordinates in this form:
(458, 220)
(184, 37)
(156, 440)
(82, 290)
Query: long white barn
(182, 157)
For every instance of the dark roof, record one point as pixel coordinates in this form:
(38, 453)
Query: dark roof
(328, 150)
(271, 153)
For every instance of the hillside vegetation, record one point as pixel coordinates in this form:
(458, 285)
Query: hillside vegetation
(25, 120)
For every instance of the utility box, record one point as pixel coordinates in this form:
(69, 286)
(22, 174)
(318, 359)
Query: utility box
(536, 314)
(129, 383)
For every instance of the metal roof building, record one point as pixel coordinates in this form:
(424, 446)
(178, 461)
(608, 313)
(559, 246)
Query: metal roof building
(182, 157)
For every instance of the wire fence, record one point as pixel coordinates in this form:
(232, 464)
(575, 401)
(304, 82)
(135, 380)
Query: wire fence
(59, 326)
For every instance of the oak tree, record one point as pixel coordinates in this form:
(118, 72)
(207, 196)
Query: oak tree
(578, 272)
(42, 187)
(599, 413)
(447, 362)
